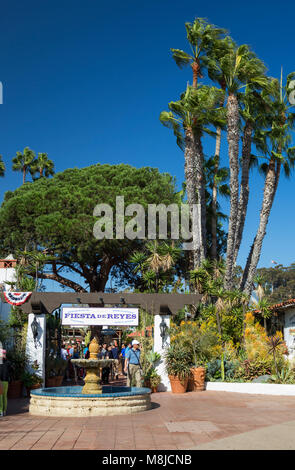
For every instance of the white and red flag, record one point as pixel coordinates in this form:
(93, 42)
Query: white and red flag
(16, 298)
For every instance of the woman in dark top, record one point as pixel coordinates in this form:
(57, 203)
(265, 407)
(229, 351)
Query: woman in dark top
(5, 371)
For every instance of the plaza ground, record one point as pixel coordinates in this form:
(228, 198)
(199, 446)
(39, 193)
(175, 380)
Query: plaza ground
(194, 420)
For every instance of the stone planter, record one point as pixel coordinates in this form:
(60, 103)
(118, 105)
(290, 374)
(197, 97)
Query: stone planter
(198, 378)
(15, 389)
(177, 385)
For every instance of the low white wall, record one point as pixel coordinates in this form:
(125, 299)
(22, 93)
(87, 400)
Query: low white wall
(254, 388)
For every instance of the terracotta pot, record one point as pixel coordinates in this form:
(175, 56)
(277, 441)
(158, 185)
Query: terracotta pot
(33, 387)
(191, 384)
(178, 386)
(50, 382)
(58, 380)
(198, 378)
(15, 389)
(154, 389)
(147, 383)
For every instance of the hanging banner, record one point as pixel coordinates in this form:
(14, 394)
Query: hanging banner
(16, 298)
(76, 316)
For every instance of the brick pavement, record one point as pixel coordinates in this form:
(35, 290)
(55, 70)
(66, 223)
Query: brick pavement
(186, 421)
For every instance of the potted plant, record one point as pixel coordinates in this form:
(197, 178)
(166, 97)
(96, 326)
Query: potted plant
(55, 369)
(155, 380)
(31, 381)
(199, 343)
(18, 362)
(178, 364)
(149, 369)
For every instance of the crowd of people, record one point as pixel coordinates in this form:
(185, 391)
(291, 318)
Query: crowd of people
(126, 361)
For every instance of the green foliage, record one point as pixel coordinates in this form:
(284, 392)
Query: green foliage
(16, 355)
(213, 370)
(279, 282)
(285, 376)
(29, 379)
(178, 360)
(56, 214)
(149, 362)
(5, 333)
(250, 370)
(54, 366)
(197, 342)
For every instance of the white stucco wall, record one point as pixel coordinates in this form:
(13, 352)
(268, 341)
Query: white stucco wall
(289, 330)
(165, 382)
(37, 353)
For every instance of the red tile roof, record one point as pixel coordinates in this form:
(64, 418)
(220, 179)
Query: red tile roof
(282, 305)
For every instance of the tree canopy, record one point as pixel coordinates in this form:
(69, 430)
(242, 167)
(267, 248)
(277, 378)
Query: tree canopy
(55, 216)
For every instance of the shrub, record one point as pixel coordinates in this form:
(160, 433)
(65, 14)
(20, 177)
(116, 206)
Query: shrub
(213, 369)
(250, 370)
(178, 361)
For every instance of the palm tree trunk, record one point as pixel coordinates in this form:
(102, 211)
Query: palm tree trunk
(270, 186)
(201, 193)
(244, 193)
(233, 136)
(190, 177)
(214, 188)
(24, 175)
(196, 68)
(214, 195)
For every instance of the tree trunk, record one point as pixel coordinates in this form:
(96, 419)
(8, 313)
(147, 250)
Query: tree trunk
(201, 193)
(196, 71)
(214, 188)
(233, 136)
(190, 177)
(24, 175)
(214, 196)
(244, 193)
(270, 186)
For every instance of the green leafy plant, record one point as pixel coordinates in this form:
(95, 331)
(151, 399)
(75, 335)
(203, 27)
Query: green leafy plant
(178, 361)
(150, 359)
(155, 379)
(54, 366)
(213, 370)
(250, 370)
(29, 379)
(285, 376)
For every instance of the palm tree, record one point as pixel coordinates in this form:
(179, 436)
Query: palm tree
(155, 262)
(253, 110)
(23, 161)
(219, 48)
(216, 180)
(190, 118)
(43, 166)
(200, 36)
(239, 66)
(274, 142)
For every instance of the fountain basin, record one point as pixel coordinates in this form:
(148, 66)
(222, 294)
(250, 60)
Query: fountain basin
(71, 402)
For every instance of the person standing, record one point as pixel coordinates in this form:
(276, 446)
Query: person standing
(115, 354)
(5, 371)
(122, 356)
(132, 364)
(105, 371)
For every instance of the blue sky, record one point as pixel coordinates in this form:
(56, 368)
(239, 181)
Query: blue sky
(85, 81)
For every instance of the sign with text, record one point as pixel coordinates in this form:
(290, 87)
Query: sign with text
(76, 316)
